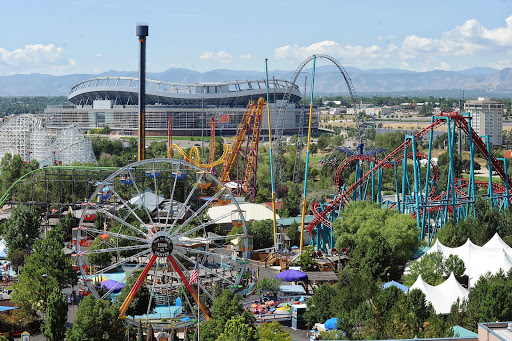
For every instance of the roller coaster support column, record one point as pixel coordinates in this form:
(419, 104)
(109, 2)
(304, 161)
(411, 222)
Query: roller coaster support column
(396, 185)
(416, 184)
(359, 170)
(271, 167)
(471, 190)
(307, 157)
(451, 177)
(404, 178)
(427, 181)
(488, 143)
(379, 190)
(506, 181)
(373, 183)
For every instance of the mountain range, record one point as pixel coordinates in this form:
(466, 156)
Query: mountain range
(478, 81)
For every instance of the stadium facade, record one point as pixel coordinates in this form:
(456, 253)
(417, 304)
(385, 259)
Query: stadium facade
(112, 102)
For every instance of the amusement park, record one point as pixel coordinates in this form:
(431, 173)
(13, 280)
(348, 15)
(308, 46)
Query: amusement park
(199, 211)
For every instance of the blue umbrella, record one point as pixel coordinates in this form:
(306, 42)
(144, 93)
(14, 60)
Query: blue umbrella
(292, 276)
(185, 319)
(295, 247)
(331, 324)
(178, 302)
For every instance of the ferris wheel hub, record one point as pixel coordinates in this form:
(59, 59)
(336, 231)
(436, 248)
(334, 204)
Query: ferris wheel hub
(162, 244)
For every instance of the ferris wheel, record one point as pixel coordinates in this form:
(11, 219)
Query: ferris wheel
(148, 224)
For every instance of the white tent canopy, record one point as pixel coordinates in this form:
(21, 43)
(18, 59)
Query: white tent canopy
(497, 243)
(479, 260)
(441, 296)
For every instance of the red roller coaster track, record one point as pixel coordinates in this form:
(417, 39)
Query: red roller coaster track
(460, 122)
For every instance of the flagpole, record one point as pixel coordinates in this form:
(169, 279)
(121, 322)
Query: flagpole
(198, 299)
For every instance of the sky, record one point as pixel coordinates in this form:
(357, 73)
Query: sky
(68, 37)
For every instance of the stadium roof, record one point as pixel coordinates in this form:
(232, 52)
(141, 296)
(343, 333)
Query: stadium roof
(124, 91)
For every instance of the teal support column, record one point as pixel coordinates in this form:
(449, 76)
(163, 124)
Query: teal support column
(396, 186)
(472, 189)
(489, 166)
(379, 189)
(416, 185)
(373, 183)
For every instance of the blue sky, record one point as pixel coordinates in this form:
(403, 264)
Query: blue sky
(63, 37)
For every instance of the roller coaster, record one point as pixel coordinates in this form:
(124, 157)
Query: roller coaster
(429, 204)
(249, 129)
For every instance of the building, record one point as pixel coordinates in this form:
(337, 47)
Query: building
(487, 118)
(112, 102)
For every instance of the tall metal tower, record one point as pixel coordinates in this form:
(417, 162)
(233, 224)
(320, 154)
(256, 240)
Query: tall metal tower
(142, 32)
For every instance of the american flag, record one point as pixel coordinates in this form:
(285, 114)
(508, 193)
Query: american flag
(194, 275)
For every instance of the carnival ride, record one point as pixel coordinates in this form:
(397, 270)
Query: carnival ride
(194, 156)
(430, 205)
(244, 181)
(27, 136)
(149, 216)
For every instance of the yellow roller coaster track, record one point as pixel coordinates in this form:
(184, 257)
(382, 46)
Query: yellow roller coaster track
(195, 156)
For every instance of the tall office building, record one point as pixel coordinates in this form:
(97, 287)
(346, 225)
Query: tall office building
(487, 118)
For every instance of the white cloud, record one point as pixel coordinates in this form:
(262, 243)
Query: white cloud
(469, 39)
(220, 57)
(99, 55)
(34, 58)
(348, 54)
(245, 56)
(459, 47)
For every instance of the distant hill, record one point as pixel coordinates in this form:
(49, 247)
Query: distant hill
(478, 81)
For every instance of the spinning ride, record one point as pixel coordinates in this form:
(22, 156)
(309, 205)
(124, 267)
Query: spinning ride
(154, 219)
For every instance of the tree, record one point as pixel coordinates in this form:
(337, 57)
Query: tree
(224, 307)
(434, 269)
(54, 328)
(101, 259)
(291, 201)
(47, 259)
(323, 141)
(375, 257)
(313, 148)
(96, 320)
(488, 300)
(273, 331)
(140, 302)
(361, 221)
(21, 229)
(17, 258)
(268, 284)
(293, 233)
(322, 305)
(237, 329)
(262, 232)
(306, 261)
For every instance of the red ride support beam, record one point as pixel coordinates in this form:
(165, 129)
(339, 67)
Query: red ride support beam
(189, 287)
(136, 287)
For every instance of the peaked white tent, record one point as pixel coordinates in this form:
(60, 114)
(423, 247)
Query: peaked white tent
(441, 296)
(479, 260)
(497, 243)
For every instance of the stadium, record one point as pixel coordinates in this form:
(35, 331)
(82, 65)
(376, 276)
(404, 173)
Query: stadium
(112, 102)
